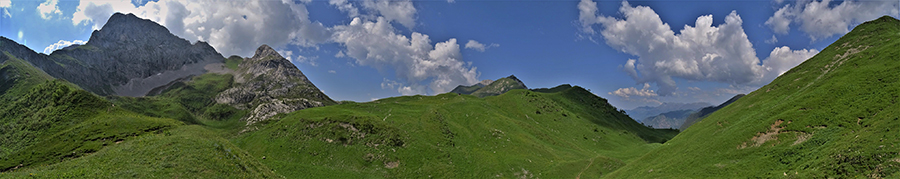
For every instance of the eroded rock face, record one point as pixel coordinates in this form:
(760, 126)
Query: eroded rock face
(126, 49)
(269, 84)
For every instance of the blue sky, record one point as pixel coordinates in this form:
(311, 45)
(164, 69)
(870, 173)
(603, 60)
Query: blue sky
(634, 53)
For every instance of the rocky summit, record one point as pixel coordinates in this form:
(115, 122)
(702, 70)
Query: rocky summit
(269, 84)
(129, 56)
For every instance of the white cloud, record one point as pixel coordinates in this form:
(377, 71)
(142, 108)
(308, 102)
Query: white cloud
(6, 13)
(820, 19)
(782, 59)
(340, 54)
(631, 91)
(772, 40)
(332, 71)
(587, 15)
(48, 9)
(703, 52)
(389, 84)
(345, 6)
(475, 45)
(694, 88)
(286, 54)
(400, 11)
(95, 13)
(312, 61)
(413, 58)
(780, 21)
(61, 44)
(232, 27)
(5, 3)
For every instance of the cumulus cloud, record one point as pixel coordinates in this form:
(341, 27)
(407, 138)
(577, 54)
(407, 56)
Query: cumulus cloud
(587, 15)
(5, 4)
(400, 11)
(61, 44)
(819, 19)
(48, 9)
(95, 13)
(782, 59)
(232, 27)
(413, 58)
(702, 52)
(631, 91)
(345, 6)
(780, 21)
(475, 45)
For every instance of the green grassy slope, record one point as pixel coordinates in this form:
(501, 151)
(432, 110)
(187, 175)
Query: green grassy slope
(517, 134)
(49, 128)
(834, 115)
(185, 101)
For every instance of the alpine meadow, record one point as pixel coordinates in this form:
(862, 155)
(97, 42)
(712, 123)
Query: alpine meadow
(437, 89)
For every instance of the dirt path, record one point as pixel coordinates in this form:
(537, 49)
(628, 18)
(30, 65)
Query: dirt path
(585, 168)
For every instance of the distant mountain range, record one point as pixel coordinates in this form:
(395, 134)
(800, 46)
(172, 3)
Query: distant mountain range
(681, 119)
(702, 113)
(643, 112)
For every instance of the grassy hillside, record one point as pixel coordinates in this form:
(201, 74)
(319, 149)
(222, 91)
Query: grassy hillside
(702, 113)
(566, 134)
(833, 116)
(50, 128)
(185, 101)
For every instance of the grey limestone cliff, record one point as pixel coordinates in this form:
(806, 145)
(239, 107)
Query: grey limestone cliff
(129, 56)
(269, 84)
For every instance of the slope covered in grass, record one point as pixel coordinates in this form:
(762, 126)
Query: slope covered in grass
(185, 101)
(51, 128)
(833, 116)
(520, 133)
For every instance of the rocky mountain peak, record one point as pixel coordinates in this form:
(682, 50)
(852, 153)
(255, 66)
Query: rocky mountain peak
(128, 29)
(129, 56)
(485, 82)
(265, 51)
(513, 77)
(268, 86)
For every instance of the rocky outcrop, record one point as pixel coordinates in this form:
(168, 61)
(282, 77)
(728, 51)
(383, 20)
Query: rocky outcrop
(500, 86)
(268, 84)
(129, 56)
(490, 87)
